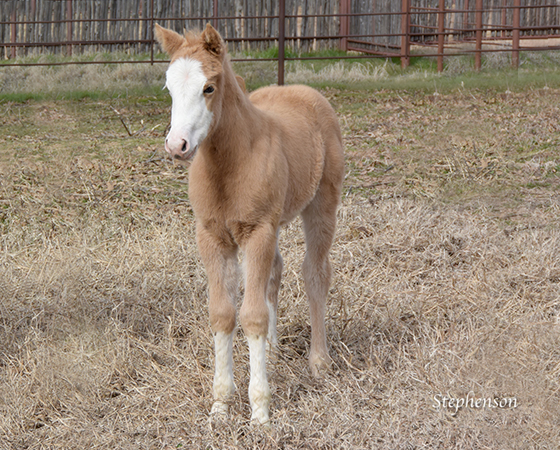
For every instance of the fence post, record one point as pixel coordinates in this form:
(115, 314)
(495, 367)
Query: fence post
(441, 30)
(69, 27)
(151, 22)
(478, 45)
(515, 40)
(344, 8)
(281, 40)
(405, 36)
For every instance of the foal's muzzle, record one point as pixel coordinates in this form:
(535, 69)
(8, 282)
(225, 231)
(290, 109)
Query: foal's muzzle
(180, 150)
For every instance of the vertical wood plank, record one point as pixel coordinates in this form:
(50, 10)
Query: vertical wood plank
(515, 42)
(69, 25)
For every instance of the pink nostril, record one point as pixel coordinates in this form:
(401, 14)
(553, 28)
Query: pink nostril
(177, 147)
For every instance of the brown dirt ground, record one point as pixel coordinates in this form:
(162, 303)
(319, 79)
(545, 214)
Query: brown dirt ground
(447, 283)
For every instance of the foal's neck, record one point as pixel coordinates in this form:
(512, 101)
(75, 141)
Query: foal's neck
(239, 119)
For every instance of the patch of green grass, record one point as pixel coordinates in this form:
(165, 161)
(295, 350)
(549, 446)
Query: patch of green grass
(431, 82)
(537, 184)
(269, 53)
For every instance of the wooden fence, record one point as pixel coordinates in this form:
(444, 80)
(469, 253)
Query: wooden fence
(537, 18)
(108, 25)
(383, 28)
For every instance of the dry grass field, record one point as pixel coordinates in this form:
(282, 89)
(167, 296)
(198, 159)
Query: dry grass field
(446, 285)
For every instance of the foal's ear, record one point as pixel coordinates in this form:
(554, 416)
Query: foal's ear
(241, 83)
(168, 39)
(212, 41)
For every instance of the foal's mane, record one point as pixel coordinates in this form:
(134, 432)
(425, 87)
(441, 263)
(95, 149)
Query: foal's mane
(193, 37)
(212, 53)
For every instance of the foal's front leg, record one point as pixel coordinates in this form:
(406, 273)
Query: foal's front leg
(259, 249)
(220, 261)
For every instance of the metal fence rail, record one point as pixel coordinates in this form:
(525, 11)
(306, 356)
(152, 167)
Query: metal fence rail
(374, 28)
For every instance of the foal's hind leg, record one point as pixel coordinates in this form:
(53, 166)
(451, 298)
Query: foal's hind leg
(319, 223)
(272, 298)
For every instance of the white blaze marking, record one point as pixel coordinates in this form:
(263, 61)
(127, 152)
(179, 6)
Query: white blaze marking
(190, 118)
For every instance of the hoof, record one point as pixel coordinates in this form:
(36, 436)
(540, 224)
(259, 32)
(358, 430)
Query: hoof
(219, 410)
(260, 417)
(319, 365)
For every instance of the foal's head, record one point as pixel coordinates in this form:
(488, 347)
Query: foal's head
(195, 81)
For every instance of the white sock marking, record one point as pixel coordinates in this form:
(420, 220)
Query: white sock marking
(272, 338)
(223, 375)
(259, 392)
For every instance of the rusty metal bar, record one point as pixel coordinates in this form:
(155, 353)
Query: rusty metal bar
(508, 38)
(492, 27)
(405, 30)
(458, 53)
(431, 55)
(281, 40)
(441, 36)
(478, 46)
(358, 41)
(152, 43)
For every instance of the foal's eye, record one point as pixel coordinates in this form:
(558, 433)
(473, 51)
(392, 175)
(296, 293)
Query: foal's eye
(209, 90)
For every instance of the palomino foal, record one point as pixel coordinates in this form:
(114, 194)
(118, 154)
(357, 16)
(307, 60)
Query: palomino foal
(259, 161)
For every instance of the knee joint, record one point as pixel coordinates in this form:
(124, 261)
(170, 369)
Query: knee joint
(254, 319)
(223, 318)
